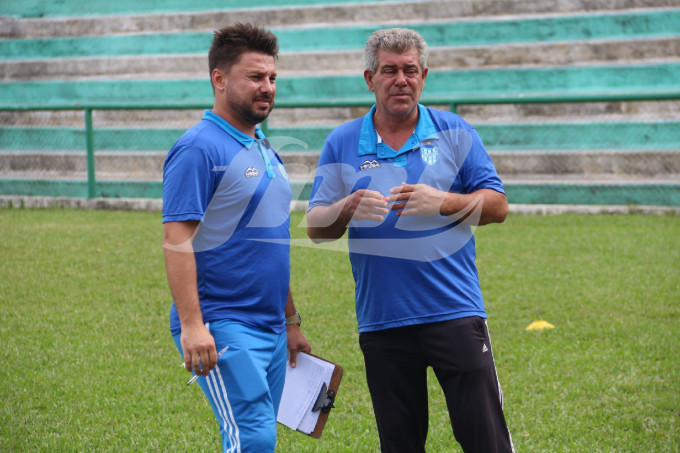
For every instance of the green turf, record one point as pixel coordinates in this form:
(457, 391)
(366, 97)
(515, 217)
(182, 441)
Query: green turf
(88, 363)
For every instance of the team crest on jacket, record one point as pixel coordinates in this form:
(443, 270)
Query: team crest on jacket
(429, 153)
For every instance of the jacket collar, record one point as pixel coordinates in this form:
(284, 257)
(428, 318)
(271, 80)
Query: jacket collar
(244, 139)
(370, 143)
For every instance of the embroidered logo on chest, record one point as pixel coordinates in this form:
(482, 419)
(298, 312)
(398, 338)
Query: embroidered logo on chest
(369, 164)
(429, 153)
(251, 172)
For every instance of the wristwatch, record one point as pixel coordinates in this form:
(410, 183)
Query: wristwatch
(295, 320)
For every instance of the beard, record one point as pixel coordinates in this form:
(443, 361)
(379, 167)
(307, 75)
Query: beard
(247, 110)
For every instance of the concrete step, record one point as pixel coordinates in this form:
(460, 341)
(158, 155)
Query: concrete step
(628, 24)
(401, 13)
(301, 166)
(648, 164)
(517, 164)
(104, 118)
(623, 180)
(73, 165)
(295, 117)
(42, 9)
(474, 85)
(537, 179)
(568, 112)
(156, 205)
(501, 113)
(513, 136)
(630, 51)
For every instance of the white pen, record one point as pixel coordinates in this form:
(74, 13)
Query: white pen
(195, 376)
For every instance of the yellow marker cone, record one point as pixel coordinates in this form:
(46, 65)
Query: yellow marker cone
(540, 325)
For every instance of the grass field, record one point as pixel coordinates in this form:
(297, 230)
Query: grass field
(88, 364)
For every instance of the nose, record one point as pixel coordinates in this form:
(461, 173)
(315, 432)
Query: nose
(401, 78)
(268, 86)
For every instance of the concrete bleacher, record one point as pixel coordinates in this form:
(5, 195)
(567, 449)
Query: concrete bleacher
(600, 150)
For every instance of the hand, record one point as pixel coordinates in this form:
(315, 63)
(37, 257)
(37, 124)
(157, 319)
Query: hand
(198, 346)
(365, 205)
(416, 199)
(296, 343)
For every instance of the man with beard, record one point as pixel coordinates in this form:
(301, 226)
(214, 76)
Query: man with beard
(226, 202)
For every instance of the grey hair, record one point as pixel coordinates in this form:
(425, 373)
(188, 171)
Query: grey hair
(398, 40)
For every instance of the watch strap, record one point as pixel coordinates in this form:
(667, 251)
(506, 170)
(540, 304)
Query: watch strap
(293, 320)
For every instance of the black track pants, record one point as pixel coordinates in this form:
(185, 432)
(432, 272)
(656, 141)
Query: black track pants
(459, 351)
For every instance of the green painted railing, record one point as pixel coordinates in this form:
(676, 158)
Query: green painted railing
(661, 94)
(94, 189)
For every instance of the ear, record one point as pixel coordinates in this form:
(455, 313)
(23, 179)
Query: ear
(424, 75)
(218, 79)
(368, 76)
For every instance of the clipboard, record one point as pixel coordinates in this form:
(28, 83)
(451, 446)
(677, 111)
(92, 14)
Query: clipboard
(301, 403)
(324, 409)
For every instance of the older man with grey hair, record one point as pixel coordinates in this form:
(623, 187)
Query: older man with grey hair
(409, 182)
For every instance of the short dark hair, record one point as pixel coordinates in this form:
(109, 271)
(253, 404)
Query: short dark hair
(230, 42)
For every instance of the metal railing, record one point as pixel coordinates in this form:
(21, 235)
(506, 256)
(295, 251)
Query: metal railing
(453, 103)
